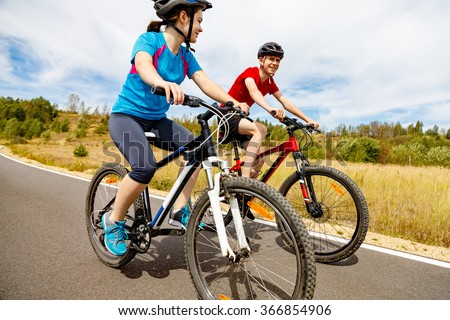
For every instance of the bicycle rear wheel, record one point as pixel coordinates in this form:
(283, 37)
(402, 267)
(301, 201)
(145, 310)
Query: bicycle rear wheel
(339, 224)
(272, 269)
(100, 199)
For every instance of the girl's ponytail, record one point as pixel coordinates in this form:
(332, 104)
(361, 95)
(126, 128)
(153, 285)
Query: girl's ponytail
(155, 26)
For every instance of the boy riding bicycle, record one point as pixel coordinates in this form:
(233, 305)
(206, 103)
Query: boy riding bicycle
(251, 86)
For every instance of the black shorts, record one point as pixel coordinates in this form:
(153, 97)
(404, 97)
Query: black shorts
(233, 122)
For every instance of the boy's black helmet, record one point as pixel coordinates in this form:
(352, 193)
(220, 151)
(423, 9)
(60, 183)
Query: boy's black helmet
(271, 49)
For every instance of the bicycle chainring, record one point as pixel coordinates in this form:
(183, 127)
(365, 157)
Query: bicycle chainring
(142, 239)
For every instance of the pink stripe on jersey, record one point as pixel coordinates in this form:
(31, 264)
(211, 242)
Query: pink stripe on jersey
(158, 53)
(133, 69)
(185, 65)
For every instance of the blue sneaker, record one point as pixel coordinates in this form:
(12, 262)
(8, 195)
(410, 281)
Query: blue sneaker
(115, 236)
(181, 218)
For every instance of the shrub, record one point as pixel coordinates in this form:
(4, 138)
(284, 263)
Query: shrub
(12, 129)
(65, 125)
(315, 153)
(83, 122)
(80, 151)
(56, 125)
(80, 133)
(32, 128)
(46, 135)
(438, 156)
(410, 154)
(361, 150)
(102, 128)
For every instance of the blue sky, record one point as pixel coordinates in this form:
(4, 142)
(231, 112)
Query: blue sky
(346, 61)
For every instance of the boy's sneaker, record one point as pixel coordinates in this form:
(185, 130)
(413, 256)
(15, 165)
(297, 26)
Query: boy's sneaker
(181, 218)
(115, 236)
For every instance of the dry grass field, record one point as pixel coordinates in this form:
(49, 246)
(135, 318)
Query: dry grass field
(409, 206)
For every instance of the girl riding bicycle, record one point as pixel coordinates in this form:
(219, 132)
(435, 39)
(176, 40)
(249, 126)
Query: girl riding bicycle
(158, 60)
(251, 86)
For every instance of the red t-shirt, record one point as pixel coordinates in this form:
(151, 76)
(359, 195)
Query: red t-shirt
(240, 92)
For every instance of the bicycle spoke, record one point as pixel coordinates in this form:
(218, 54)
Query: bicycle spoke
(272, 269)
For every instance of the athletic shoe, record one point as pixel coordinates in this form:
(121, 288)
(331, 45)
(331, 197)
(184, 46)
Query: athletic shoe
(115, 236)
(180, 218)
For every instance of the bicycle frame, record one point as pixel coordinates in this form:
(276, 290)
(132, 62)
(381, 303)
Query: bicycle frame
(284, 149)
(204, 155)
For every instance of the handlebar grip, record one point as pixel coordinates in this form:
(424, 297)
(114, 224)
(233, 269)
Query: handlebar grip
(158, 91)
(273, 113)
(190, 101)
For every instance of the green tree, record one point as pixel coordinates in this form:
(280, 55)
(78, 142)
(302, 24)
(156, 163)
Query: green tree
(32, 128)
(41, 109)
(12, 129)
(418, 129)
(399, 130)
(434, 132)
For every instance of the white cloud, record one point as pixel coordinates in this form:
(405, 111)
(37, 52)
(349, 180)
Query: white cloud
(346, 61)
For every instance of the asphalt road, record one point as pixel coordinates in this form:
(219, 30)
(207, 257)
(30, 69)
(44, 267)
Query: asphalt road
(46, 254)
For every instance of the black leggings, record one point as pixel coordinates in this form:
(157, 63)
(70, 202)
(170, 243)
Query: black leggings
(127, 132)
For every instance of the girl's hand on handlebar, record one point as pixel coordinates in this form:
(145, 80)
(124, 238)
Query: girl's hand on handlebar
(172, 89)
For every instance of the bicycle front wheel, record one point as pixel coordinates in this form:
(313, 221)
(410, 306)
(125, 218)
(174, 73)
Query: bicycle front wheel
(100, 199)
(339, 219)
(272, 269)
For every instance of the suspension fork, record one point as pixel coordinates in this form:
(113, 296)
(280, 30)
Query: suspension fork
(309, 197)
(215, 183)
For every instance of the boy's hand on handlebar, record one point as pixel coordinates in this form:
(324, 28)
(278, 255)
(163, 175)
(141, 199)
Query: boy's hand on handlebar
(278, 114)
(243, 106)
(315, 124)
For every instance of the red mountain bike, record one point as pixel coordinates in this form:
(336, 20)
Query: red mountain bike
(331, 205)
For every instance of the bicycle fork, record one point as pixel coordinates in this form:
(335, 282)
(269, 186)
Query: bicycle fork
(313, 208)
(215, 199)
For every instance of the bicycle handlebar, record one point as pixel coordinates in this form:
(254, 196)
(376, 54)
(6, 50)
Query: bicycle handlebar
(195, 102)
(190, 101)
(293, 122)
(297, 125)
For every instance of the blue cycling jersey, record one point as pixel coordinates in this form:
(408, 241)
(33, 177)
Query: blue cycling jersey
(136, 98)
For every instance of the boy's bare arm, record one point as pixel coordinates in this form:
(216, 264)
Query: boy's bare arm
(292, 108)
(258, 97)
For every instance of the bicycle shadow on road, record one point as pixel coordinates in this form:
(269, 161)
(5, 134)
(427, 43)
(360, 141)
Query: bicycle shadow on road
(166, 253)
